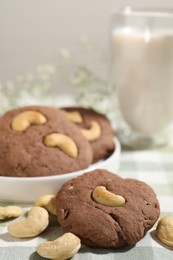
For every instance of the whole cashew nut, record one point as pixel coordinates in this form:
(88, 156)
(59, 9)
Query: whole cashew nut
(23, 120)
(36, 222)
(63, 247)
(10, 212)
(164, 230)
(48, 202)
(73, 116)
(64, 142)
(93, 133)
(107, 198)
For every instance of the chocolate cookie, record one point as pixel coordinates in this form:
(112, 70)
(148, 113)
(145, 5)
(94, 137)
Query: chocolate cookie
(96, 128)
(105, 210)
(40, 141)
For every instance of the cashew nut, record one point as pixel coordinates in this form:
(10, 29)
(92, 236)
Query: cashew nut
(33, 225)
(63, 247)
(10, 212)
(107, 198)
(164, 230)
(93, 133)
(47, 202)
(64, 142)
(23, 120)
(73, 116)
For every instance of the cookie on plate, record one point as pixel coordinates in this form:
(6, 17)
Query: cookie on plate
(96, 128)
(105, 210)
(40, 141)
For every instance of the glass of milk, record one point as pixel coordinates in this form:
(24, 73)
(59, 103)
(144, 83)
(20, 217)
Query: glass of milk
(142, 75)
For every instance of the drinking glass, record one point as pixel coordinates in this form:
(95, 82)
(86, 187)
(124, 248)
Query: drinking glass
(142, 76)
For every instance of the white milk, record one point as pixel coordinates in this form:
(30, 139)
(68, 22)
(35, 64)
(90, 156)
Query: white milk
(143, 68)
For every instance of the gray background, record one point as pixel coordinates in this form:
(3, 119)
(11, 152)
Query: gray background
(30, 29)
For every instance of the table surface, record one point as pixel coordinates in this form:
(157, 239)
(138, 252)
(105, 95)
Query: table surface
(154, 167)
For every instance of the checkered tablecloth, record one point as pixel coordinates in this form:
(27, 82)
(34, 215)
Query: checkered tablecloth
(154, 167)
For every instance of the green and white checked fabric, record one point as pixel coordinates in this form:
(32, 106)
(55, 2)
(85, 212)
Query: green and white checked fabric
(153, 167)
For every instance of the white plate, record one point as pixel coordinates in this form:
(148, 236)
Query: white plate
(27, 190)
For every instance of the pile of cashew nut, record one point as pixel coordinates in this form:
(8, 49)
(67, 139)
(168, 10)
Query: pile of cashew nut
(35, 223)
(69, 244)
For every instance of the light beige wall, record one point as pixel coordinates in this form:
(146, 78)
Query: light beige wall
(29, 29)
